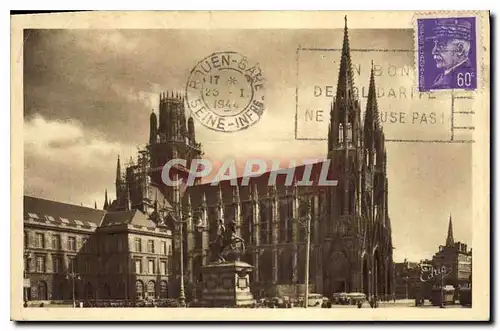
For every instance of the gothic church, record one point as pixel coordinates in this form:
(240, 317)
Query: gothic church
(351, 245)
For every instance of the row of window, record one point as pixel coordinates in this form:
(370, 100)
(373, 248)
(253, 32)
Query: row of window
(462, 257)
(60, 291)
(57, 264)
(151, 289)
(55, 241)
(464, 267)
(165, 249)
(151, 267)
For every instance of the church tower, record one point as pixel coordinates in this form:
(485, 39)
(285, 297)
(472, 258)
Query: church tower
(171, 137)
(345, 153)
(360, 256)
(121, 187)
(344, 142)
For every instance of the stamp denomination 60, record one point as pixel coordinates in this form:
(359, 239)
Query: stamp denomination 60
(225, 92)
(447, 53)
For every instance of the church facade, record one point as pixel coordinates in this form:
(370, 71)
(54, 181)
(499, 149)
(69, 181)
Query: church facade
(351, 243)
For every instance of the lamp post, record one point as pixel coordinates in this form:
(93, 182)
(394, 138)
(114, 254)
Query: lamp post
(307, 226)
(183, 219)
(370, 295)
(27, 256)
(182, 296)
(73, 275)
(443, 270)
(199, 227)
(406, 285)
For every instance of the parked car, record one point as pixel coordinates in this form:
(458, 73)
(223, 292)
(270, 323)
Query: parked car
(351, 298)
(339, 298)
(443, 295)
(314, 300)
(355, 298)
(274, 302)
(260, 303)
(465, 296)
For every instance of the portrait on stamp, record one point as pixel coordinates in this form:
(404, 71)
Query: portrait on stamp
(447, 53)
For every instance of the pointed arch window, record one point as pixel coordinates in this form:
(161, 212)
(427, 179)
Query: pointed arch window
(349, 133)
(352, 196)
(341, 133)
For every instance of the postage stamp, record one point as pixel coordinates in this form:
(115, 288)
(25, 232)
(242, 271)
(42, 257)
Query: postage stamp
(225, 92)
(447, 53)
(250, 166)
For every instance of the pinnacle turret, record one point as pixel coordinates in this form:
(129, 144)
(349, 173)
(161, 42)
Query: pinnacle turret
(450, 242)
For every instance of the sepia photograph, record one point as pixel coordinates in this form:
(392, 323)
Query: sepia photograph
(264, 165)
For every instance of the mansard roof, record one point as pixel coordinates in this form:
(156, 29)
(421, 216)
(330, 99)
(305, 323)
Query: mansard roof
(133, 217)
(64, 214)
(59, 213)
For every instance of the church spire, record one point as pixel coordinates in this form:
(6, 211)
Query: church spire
(106, 205)
(118, 182)
(371, 125)
(345, 114)
(118, 171)
(345, 81)
(450, 242)
(153, 127)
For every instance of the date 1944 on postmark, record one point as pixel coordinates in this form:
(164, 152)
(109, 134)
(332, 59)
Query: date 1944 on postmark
(447, 53)
(225, 92)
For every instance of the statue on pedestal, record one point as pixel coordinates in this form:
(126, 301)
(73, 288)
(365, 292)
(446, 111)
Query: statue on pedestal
(226, 239)
(226, 279)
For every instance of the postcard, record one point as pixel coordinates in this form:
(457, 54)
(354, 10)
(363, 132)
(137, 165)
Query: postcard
(296, 166)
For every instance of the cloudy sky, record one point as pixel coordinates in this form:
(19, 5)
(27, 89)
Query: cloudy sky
(88, 95)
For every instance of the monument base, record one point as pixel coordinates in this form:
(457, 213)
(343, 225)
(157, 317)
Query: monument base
(227, 284)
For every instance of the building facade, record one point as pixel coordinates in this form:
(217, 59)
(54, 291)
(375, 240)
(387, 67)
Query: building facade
(412, 282)
(351, 244)
(73, 252)
(455, 257)
(407, 281)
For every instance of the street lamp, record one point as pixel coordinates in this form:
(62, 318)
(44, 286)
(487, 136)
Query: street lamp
(443, 270)
(182, 296)
(181, 222)
(307, 226)
(406, 285)
(199, 227)
(26, 281)
(73, 275)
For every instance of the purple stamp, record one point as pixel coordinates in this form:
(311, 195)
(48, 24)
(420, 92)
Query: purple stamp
(447, 53)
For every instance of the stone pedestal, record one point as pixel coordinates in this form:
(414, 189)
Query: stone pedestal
(227, 284)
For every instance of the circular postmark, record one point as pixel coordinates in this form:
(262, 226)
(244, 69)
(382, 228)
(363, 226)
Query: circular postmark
(225, 92)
